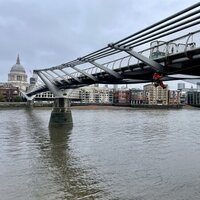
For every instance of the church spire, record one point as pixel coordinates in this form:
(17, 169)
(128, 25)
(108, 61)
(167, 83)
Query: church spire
(18, 60)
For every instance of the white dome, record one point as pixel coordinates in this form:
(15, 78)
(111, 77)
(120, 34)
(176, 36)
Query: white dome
(17, 67)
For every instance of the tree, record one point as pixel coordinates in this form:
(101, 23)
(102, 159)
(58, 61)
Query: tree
(2, 99)
(17, 99)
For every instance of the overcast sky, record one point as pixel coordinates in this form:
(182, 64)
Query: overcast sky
(47, 33)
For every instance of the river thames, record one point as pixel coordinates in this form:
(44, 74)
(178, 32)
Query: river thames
(109, 154)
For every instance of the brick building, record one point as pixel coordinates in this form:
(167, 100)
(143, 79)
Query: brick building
(122, 96)
(8, 92)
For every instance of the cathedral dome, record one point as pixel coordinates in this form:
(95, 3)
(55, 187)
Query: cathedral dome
(17, 76)
(17, 67)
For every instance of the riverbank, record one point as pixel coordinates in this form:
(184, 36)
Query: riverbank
(158, 106)
(99, 107)
(117, 107)
(95, 106)
(12, 104)
(23, 104)
(6, 105)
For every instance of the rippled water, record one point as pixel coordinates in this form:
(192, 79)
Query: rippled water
(108, 154)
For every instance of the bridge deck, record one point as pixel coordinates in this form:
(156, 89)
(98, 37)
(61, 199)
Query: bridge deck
(187, 63)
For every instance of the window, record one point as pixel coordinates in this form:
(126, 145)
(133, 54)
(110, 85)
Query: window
(19, 78)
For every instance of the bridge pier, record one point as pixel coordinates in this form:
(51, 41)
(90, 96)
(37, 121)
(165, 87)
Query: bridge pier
(29, 104)
(61, 113)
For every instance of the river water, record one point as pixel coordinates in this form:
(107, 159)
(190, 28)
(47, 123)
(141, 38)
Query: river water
(108, 154)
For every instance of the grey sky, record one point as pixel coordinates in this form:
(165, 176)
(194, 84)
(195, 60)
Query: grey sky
(48, 32)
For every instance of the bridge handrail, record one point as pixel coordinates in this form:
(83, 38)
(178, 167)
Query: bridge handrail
(113, 62)
(120, 60)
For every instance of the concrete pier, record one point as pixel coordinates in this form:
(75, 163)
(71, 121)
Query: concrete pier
(61, 113)
(29, 104)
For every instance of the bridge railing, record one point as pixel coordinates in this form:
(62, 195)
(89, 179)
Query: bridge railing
(160, 49)
(157, 49)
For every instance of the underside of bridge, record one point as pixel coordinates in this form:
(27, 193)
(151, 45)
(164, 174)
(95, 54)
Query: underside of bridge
(180, 63)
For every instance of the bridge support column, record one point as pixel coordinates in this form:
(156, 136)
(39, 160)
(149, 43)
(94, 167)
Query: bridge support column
(29, 104)
(61, 113)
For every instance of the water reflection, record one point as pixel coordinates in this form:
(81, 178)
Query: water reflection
(74, 181)
(38, 163)
(61, 169)
(59, 134)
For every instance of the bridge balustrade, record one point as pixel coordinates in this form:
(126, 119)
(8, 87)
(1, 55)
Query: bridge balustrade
(158, 49)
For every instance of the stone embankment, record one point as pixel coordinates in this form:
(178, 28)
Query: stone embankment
(12, 104)
(92, 106)
(22, 104)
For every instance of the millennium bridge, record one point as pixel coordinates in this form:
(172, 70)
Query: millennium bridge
(170, 47)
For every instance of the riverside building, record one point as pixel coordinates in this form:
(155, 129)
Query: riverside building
(193, 98)
(138, 97)
(174, 97)
(122, 97)
(8, 92)
(156, 95)
(96, 95)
